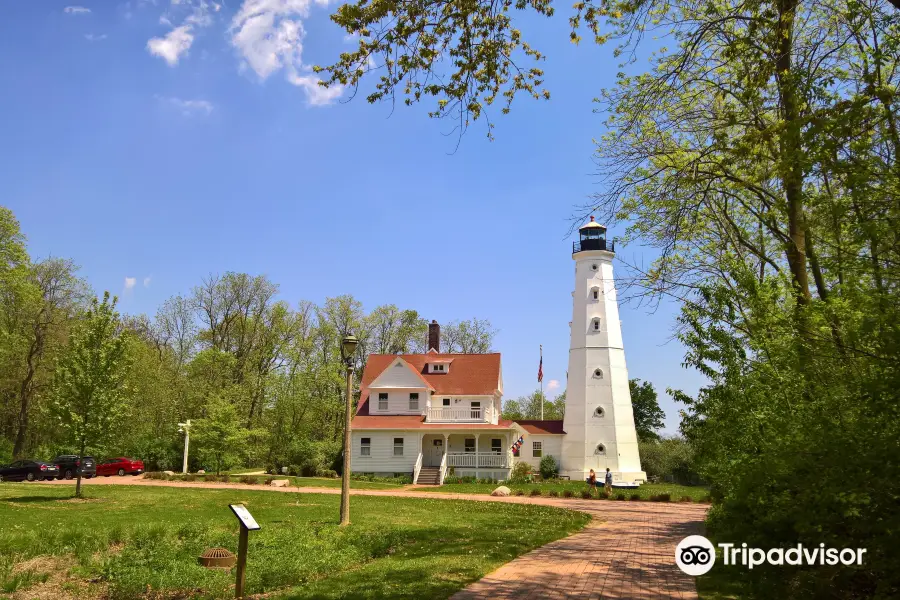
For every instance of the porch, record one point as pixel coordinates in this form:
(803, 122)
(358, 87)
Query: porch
(478, 455)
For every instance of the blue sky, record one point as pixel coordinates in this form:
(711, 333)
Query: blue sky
(163, 141)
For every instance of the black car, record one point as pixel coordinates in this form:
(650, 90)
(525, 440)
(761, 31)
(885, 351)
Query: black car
(30, 470)
(69, 465)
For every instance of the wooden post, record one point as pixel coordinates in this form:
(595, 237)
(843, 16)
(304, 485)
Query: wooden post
(241, 562)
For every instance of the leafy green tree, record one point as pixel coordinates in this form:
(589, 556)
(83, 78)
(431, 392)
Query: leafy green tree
(648, 416)
(472, 336)
(219, 436)
(90, 394)
(529, 407)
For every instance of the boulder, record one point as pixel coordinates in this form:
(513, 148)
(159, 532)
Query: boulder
(501, 491)
(201, 472)
(280, 482)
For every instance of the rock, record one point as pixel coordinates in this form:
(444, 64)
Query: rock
(169, 473)
(280, 482)
(501, 491)
(201, 472)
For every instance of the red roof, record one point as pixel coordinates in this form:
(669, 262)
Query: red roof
(470, 374)
(417, 422)
(542, 427)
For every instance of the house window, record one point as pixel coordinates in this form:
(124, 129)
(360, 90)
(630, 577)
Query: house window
(470, 445)
(382, 401)
(365, 446)
(446, 401)
(496, 445)
(536, 450)
(398, 446)
(413, 402)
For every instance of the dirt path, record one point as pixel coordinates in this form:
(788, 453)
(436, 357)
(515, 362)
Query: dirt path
(627, 552)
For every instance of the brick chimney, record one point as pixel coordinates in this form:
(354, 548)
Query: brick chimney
(434, 336)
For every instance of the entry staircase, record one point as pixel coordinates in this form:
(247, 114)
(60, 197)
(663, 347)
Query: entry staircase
(429, 476)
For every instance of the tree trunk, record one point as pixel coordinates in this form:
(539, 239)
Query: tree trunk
(78, 470)
(25, 390)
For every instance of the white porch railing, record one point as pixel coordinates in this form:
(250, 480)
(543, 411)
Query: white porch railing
(481, 459)
(417, 468)
(443, 469)
(456, 415)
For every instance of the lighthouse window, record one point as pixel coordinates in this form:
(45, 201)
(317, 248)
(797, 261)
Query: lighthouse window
(594, 267)
(598, 412)
(596, 294)
(601, 449)
(598, 373)
(596, 324)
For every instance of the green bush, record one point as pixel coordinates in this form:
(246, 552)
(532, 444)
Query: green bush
(686, 499)
(661, 498)
(553, 494)
(669, 459)
(549, 468)
(330, 473)
(568, 493)
(249, 480)
(620, 496)
(519, 492)
(635, 497)
(586, 494)
(536, 492)
(521, 472)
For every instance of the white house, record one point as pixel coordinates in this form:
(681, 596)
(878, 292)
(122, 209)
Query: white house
(422, 414)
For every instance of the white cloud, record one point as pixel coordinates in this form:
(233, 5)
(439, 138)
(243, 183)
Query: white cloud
(173, 45)
(552, 385)
(76, 10)
(147, 281)
(269, 36)
(129, 283)
(188, 107)
(94, 38)
(177, 42)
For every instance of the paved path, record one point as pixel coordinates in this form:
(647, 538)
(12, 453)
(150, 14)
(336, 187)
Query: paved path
(626, 552)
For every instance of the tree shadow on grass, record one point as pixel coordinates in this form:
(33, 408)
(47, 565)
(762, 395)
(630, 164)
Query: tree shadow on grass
(48, 499)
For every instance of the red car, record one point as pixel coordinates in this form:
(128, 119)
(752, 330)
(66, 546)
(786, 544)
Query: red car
(120, 466)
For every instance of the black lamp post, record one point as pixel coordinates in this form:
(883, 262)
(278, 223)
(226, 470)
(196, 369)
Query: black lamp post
(348, 351)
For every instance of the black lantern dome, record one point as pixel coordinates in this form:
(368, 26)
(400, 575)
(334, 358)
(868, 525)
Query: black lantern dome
(592, 236)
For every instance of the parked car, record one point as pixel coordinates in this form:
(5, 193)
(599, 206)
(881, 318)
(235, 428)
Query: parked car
(69, 466)
(120, 466)
(29, 470)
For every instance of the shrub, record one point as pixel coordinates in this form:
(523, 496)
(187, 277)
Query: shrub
(189, 477)
(519, 492)
(249, 479)
(635, 497)
(586, 494)
(604, 495)
(549, 468)
(554, 494)
(661, 498)
(535, 492)
(707, 499)
(669, 459)
(568, 493)
(329, 473)
(620, 496)
(520, 472)
(686, 499)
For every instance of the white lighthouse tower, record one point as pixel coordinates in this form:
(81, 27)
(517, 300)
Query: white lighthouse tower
(599, 421)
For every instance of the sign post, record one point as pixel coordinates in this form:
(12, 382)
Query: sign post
(248, 523)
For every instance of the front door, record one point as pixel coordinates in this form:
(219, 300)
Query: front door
(434, 453)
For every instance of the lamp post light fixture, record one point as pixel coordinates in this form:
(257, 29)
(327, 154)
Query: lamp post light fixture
(185, 428)
(348, 352)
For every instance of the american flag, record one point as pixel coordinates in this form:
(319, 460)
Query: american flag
(541, 366)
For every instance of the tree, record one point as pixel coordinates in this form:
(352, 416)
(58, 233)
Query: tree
(89, 391)
(529, 407)
(648, 416)
(474, 336)
(220, 436)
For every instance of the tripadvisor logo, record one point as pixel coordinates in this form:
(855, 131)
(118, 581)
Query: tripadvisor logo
(696, 555)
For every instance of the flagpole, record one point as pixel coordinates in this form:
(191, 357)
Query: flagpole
(542, 383)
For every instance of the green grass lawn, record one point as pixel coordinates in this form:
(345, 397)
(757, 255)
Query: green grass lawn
(677, 492)
(127, 542)
(323, 482)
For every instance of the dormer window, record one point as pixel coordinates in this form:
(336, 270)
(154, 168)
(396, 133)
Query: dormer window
(439, 367)
(382, 401)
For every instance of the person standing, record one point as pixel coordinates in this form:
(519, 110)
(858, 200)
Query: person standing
(592, 481)
(608, 486)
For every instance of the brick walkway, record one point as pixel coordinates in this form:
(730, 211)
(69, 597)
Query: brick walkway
(626, 552)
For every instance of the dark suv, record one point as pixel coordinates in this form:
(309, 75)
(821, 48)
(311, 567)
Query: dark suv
(69, 465)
